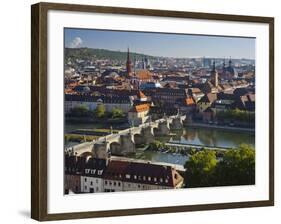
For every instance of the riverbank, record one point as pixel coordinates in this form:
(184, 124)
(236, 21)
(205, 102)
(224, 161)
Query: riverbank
(222, 127)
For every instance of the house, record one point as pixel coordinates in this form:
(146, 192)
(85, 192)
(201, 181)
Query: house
(138, 114)
(247, 102)
(134, 176)
(123, 103)
(113, 176)
(85, 174)
(166, 96)
(208, 115)
(147, 176)
(196, 93)
(206, 101)
(73, 170)
(91, 178)
(188, 105)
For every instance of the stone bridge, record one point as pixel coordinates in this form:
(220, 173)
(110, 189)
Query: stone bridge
(124, 142)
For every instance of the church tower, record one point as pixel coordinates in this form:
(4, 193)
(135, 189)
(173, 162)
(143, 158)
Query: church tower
(230, 63)
(128, 64)
(214, 75)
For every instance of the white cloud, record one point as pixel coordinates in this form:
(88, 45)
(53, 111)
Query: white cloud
(76, 42)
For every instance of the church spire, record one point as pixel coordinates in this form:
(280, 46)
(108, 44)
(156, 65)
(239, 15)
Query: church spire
(214, 66)
(129, 63)
(230, 62)
(214, 75)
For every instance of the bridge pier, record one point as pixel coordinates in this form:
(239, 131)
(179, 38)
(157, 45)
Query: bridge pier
(177, 124)
(127, 144)
(147, 135)
(101, 150)
(163, 129)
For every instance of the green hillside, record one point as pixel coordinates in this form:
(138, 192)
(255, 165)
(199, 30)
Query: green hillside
(91, 53)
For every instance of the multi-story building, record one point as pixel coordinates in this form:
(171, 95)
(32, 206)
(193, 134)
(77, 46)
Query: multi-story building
(91, 175)
(74, 167)
(91, 178)
(135, 176)
(123, 103)
(168, 96)
(138, 114)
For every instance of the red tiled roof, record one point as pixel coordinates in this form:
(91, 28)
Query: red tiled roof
(189, 101)
(140, 108)
(145, 173)
(144, 75)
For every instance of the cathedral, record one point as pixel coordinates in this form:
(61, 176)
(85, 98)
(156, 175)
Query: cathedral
(212, 85)
(228, 72)
(138, 75)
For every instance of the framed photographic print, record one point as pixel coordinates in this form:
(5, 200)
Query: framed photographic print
(166, 111)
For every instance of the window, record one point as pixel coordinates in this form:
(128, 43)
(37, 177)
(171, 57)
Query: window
(97, 181)
(85, 187)
(149, 178)
(114, 183)
(119, 184)
(91, 183)
(85, 179)
(105, 182)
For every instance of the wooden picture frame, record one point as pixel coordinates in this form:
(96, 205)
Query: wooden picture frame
(39, 108)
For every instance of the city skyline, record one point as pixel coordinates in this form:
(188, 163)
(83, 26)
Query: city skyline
(175, 45)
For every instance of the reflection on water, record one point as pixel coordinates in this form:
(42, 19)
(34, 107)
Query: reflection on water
(214, 137)
(198, 136)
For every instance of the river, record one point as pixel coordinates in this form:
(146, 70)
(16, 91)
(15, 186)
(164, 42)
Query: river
(189, 135)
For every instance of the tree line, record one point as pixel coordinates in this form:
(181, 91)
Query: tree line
(99, 112)
(236, 167)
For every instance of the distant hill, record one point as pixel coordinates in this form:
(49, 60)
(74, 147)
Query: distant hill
(90, 53)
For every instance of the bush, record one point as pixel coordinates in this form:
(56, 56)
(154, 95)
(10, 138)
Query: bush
(117, 113)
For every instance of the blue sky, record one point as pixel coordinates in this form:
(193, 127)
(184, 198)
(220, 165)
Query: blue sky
(157, 44)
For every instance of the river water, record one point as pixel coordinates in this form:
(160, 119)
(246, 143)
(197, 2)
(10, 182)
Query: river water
(196, 136)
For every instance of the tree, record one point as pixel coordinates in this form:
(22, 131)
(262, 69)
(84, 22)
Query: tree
(100, 111)
(80, 111)
(200, 169)
(117, 113)
(156, 145)
(237, 167)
